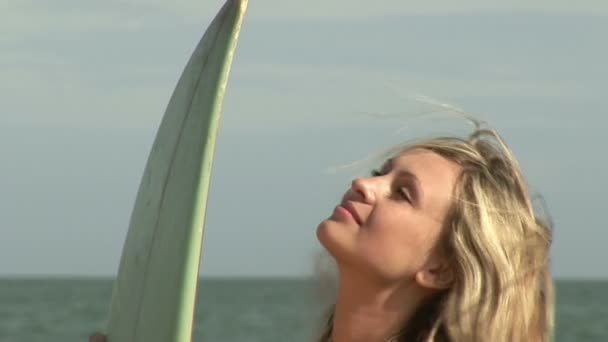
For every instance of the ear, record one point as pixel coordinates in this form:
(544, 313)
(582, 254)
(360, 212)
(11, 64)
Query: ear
(439, 276)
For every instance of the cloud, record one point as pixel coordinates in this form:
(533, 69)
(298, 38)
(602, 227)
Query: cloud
(114, 64)
(135, 96)
(25, 18)
(392, 83)
(364, 8)
(31, 17)
(62, 98)
(344, 9)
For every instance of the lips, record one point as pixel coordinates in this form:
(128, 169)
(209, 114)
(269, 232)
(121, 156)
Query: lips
(348, 205)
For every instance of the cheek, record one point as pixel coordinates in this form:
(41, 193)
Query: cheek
(403, 229)
(396, 245)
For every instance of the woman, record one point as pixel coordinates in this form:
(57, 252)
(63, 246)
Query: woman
(441, 244)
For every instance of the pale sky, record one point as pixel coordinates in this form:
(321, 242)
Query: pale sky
(84, 86)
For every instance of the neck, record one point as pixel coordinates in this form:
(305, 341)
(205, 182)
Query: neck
(372, 312)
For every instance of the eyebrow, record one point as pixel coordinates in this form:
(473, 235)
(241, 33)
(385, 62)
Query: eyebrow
(418, 193)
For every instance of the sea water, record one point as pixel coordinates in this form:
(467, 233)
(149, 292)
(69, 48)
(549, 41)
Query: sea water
(237, 310)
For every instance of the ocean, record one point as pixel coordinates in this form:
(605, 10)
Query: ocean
(237, 310)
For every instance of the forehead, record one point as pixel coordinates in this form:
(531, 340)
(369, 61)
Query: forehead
(436, 175)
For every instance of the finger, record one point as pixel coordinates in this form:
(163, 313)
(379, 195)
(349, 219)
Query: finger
(97, 337)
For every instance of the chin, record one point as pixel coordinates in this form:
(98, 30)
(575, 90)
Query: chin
(333, 239)
(323, 232)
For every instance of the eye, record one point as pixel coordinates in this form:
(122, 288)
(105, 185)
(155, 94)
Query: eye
(405, 193)
(376, 173)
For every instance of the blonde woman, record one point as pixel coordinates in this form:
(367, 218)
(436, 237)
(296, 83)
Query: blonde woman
(442, 243)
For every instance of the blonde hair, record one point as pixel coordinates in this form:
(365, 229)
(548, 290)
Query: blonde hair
(498, 246)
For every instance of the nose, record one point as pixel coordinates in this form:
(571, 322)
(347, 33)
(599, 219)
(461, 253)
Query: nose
(363, 188)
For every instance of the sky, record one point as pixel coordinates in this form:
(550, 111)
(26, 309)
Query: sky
(314, 85)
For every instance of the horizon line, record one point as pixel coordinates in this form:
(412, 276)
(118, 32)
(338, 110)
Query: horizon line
(235, 277)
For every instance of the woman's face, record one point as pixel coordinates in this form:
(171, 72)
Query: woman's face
(389, 223)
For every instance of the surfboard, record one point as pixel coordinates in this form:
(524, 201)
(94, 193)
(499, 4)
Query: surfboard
(154, 294)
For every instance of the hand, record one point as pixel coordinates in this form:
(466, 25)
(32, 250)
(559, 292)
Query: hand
(97, 337)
